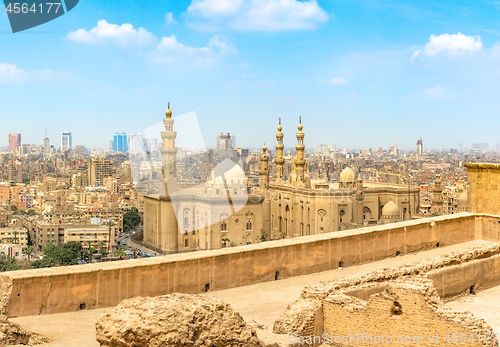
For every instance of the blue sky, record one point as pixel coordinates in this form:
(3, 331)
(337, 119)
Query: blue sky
(357, 71)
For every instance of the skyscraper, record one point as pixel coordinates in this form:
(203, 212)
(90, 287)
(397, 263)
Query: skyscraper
(420, 147)
(66, 141)
(135, 143)
(14, 142)
(224, 142)
(46, 143)
(120, 143)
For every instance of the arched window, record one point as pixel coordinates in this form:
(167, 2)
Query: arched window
(366, 213)
(223, 226)
(321, 220)
(342, 214)
(249, 225)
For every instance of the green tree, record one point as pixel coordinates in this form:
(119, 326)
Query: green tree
(283, 234)
(135, 250)
(226, 241)
(131, 219)
(15, 236)
(120, 253)
(31, 212)
(13, 208)
(55, 256)
(8, 263)
(263, 235)
(75, 248)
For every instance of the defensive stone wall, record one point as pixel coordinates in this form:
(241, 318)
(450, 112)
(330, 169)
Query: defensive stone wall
(63, 289)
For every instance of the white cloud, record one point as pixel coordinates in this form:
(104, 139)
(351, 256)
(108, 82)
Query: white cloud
(105, 33)
(438, 93)
(260, 15)
(416, 54)
(169, 18)
(338, 80)
(169, 50)
(451, 44)
(10, 74)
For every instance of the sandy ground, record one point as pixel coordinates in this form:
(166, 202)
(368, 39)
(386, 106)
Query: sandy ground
(261, 303)
(483, 305)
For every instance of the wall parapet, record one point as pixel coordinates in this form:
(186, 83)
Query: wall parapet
(64, 289)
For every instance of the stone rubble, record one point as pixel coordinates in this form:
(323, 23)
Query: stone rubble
(175, 320)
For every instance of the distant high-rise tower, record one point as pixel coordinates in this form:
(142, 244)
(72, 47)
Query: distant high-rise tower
(14, 142)
(66, 141)
(395, 145)
(120, 143)
(224, 142)
(135, 143)
(420, 147)
(46, 143)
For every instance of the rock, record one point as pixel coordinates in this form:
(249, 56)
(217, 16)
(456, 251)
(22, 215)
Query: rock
(12, 334)
(175, 320)
(299, 318)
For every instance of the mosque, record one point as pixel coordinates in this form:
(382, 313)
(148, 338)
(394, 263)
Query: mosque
(225, 211)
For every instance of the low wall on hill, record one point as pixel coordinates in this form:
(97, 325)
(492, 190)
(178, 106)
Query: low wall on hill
(63, 289)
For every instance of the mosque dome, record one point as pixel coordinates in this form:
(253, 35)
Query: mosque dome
(347, 176)
(390, 209)
(462, 199)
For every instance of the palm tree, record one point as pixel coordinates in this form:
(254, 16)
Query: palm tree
(120, 253)
(15, 236)
(27, 251)
(135, 250)
(90, 251)
(110, 224)
(102, 248)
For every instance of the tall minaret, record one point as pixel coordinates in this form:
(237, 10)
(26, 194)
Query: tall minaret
(169, 152)
(279, 160)
(264, 169)
(300, 160)
(395, 145)
(168, 236)
(359, 197)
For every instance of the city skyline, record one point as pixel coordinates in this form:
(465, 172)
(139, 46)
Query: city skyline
(357, 71)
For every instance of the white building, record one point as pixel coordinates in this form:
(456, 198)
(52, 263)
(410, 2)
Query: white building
(66, 141)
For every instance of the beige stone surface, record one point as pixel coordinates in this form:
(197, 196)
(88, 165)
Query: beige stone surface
(484, 188)
(260, 303)
(175, 320)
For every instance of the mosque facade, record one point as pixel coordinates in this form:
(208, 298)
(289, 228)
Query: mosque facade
(226, 212)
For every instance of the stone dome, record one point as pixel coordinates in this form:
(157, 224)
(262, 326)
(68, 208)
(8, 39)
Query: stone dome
(390, 209)
(347, 176)
(462, 199)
